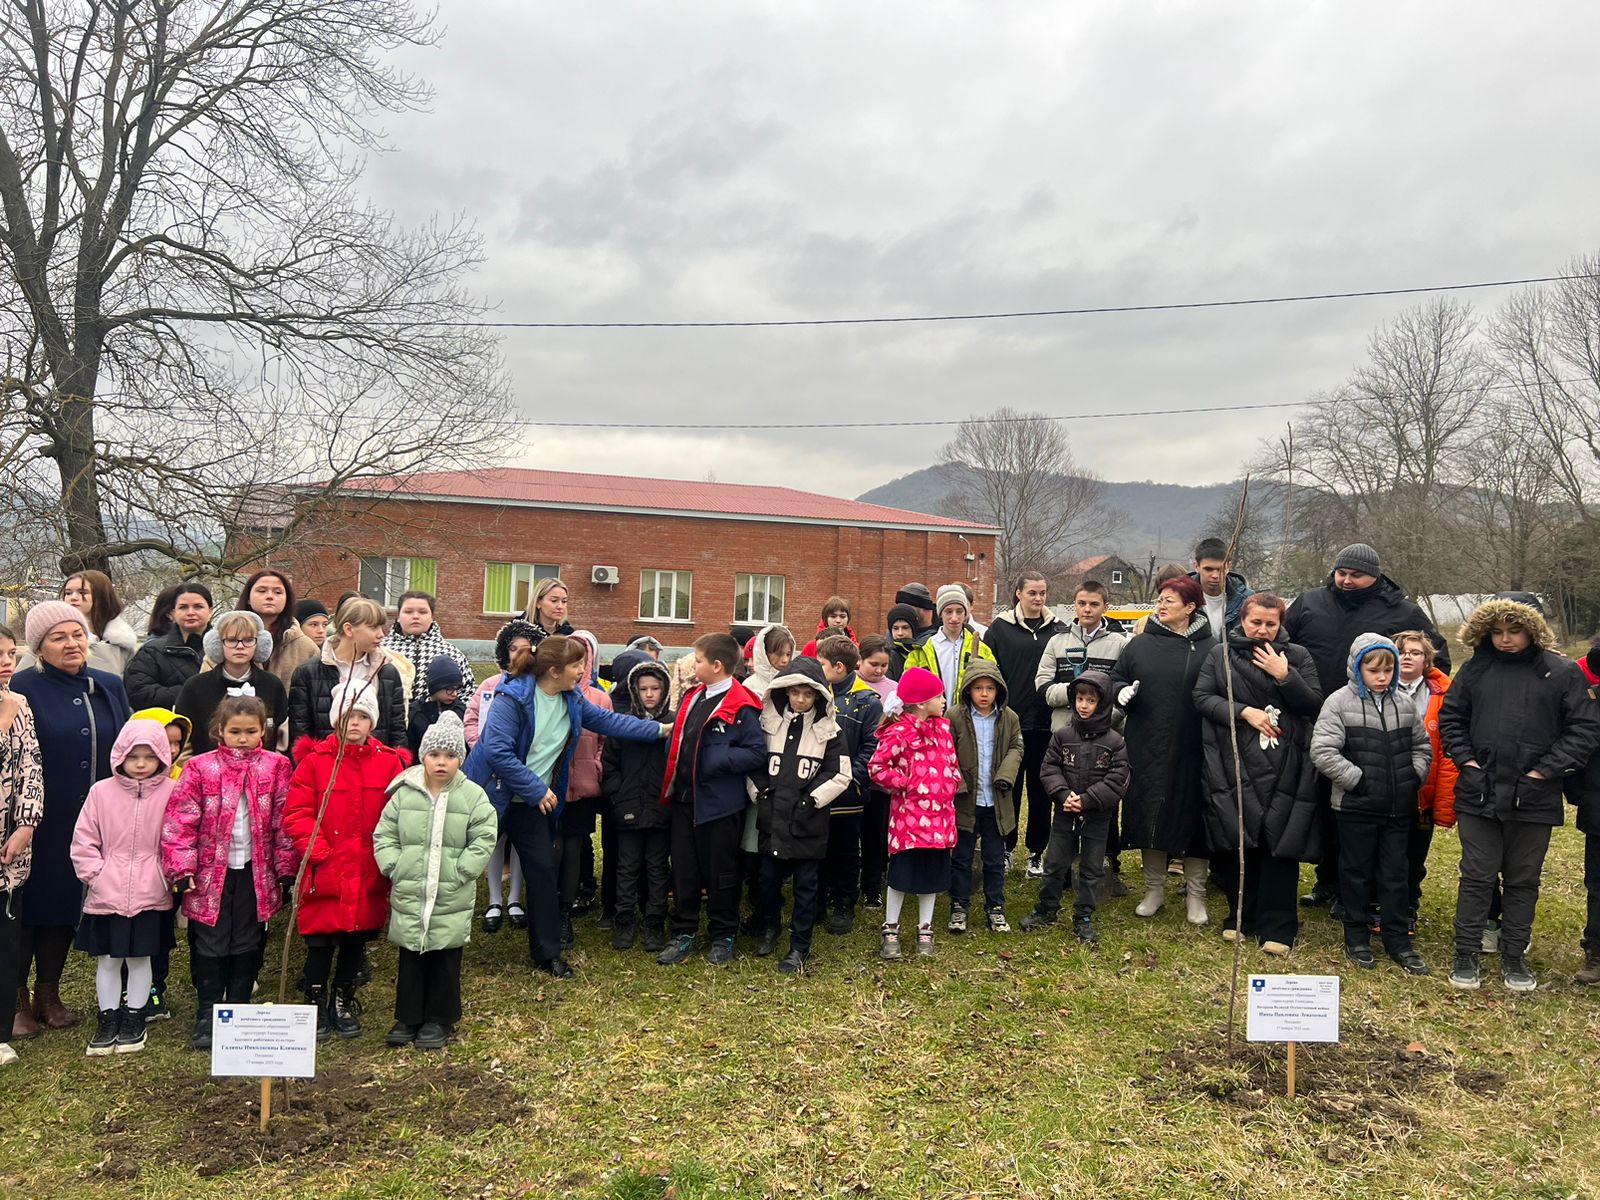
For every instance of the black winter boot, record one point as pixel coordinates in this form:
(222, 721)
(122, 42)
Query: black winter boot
(346, 1011)
(208, 991)
(317, 994)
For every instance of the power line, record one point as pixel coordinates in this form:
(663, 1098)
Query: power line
(1095, 310)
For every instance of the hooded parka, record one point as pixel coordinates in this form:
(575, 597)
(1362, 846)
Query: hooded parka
(807, 766)
(1280, 810)
(1006, 763)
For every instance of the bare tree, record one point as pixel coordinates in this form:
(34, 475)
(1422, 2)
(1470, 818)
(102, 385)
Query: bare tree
(1016, 471)
(198, 309)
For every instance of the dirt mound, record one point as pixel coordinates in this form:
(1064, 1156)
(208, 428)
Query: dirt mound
(1359, 1085)
(213, 1124)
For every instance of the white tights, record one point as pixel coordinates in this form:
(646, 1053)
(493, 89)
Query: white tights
(891, 907)
(108, 981)
(497, 863)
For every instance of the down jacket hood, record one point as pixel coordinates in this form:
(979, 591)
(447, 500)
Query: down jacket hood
(648, 669)
(165, 716)
(1101, 721)
(141, 732)
(591, 660)
(1364, 645)
(1477, 627)
(213, 640)
(982, 668)
(801, 672)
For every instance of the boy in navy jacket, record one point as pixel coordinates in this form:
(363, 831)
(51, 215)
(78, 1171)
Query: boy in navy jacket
(716, 742)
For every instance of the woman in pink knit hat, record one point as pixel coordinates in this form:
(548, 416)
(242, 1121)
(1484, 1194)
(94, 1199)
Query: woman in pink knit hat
(916, 764)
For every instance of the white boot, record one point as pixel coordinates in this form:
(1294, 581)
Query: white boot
(1155, 883)
(1194, 886)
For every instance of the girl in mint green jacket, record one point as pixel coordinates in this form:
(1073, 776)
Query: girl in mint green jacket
(432, 842)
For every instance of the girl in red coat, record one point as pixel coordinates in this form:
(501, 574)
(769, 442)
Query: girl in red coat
(344, 898)
(915, 762)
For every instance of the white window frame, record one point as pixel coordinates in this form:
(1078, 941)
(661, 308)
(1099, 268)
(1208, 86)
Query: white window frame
(650, 587)
(535, 572)
(1116, 577)
(766, 616)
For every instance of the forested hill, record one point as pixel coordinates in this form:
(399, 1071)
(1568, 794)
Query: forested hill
(1164, 518)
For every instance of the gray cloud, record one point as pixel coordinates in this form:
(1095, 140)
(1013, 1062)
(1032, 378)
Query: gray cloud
(695, 161)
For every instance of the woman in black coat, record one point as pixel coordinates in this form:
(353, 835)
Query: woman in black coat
(1276, 697)
(1154, 679)
(170, 659)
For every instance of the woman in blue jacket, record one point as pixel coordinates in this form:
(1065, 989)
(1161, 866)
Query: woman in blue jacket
(523, 760)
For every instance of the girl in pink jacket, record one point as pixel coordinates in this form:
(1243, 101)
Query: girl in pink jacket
(915, 762)
(222, 842)
(116, 852)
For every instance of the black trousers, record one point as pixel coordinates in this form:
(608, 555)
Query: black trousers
(642, 856)
(1040, 810)
(983, 837)
(1271, 894)
(1512, 850)
(1328, 864)
(841, 869)
(705, 857)
(427, 987)
(1372, 875)
(532, 835)
(10, 956)
(807, 873)
(874, 842)
(1084, 836)
(1418, 843)
(1591, 888)
(352, 951)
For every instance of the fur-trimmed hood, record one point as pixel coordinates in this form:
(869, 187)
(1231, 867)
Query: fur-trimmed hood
(635, 705)
(1477, 627)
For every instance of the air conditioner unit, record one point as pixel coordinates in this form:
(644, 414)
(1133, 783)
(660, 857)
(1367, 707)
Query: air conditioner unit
(605, 575)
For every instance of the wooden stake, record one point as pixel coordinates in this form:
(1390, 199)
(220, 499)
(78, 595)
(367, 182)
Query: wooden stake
(266, 1091)
(1291, 1078)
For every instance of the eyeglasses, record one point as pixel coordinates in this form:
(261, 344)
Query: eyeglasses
(239, 642)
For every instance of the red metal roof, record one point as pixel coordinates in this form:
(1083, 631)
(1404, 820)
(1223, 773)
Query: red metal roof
(626, 493)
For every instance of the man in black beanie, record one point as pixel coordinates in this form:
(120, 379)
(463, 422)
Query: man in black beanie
(920, 598)
(1358, 598)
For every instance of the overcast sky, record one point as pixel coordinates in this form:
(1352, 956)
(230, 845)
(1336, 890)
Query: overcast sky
(722, 161)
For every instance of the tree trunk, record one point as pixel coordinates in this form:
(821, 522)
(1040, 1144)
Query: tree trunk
(73, 451)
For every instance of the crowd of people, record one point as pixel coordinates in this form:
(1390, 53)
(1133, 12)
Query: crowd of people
(347, 765)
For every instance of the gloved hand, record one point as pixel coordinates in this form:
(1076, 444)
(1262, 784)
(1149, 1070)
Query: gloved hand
(1127, 694)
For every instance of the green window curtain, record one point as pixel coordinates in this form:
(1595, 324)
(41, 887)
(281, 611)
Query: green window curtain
(497, 587)
(425, 574)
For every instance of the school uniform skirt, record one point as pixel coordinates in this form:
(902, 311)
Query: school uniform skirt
(920, 871)
(103, 934)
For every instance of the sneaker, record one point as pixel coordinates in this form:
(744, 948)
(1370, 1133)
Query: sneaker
(556, 968)
(1083, 929)
(1337, 911)
(1464, 973)
(925, 941)
(889, 944)
(104, 1040)
(1409, 959)
(792, 963)
(1361, 955)
(842, 921)
(998, 922)
(1037, 920)
(678, 949)
(1491, 938)
(1514, 971)
(720, 952)
(401, 1034)
(1319, 897)
(768, 942)
(1035, 866)
(156, 1008)
(7, 1054)
(958, 919)
(433, 1036)
(346, 1013)
(873, 899)
(130, 1030)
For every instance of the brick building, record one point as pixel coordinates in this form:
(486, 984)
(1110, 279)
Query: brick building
(1124, 582)
(666, 557)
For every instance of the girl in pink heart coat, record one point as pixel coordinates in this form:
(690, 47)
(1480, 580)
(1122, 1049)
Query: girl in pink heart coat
(916, 764)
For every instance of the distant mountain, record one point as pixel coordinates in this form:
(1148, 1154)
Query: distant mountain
(1164, 519)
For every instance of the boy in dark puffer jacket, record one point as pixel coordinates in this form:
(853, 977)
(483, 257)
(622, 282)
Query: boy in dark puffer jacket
(444, 686)
(1085, 771)
(630, 780)
(1371, 746)
(1517, 720)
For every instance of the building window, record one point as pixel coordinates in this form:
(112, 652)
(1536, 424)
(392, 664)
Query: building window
(385, 579)
(508, 587)
(1116, 577)
(664, 595)
(758, 598)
